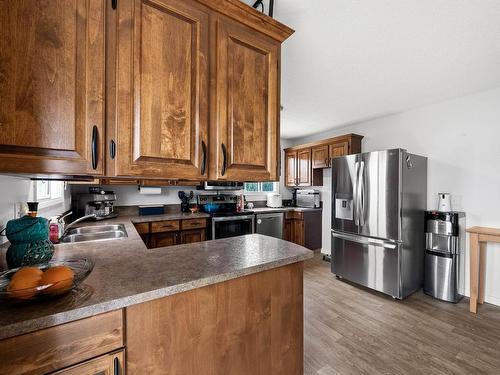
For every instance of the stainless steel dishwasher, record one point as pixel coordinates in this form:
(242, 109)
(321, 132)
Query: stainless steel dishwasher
(270, 224)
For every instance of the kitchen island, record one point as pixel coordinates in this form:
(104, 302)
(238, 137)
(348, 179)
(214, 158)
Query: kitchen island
(226, 306)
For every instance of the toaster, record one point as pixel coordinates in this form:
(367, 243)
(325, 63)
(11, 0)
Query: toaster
(274, 200)
(308, 198)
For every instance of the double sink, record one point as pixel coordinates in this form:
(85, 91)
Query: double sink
(95, 233)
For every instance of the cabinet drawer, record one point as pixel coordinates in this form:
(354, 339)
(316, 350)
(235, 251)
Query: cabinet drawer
(142, 228)
(194, 223)
(107, 364)
(56, 347)
(294, 215)
(165, 226)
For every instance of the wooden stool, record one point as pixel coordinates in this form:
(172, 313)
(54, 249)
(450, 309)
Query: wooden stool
(479, 236)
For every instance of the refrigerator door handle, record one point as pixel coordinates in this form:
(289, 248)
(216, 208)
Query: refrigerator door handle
(355, 191)
(365, 240)
(361, 193)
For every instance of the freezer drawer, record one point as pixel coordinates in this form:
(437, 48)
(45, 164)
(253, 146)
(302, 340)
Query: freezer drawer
(367, 261)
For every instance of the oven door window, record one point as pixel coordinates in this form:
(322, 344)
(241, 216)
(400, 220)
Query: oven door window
(232, 228)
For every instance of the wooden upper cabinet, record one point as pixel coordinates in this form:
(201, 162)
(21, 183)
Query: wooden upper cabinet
(339, 149)
(320, 156)
(160, 115)
(291, 168)
(245, 135)
(52, 86)
(304, 167)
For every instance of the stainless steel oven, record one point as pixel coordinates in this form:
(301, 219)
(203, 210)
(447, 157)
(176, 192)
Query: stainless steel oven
(231, 226)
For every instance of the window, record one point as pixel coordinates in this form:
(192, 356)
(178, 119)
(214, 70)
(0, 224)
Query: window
(260, 187)
(48, 193)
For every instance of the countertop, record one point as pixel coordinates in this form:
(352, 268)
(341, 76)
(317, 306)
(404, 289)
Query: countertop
(127, 273)
(168, 216)
(260, 210)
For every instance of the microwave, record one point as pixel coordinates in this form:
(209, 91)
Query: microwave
(308, 198)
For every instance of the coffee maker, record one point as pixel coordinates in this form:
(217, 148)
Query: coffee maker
(98, 204)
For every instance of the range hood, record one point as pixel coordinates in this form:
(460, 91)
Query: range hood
(221, 185)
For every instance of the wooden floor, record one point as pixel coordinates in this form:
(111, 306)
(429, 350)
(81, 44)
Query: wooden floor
(350, 330)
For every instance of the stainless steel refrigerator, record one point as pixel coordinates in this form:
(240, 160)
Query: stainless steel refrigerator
(378, 205)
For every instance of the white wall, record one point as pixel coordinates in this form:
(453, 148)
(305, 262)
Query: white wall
(461, 138)
(19, 190)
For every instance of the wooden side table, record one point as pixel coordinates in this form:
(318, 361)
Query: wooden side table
(479, 236)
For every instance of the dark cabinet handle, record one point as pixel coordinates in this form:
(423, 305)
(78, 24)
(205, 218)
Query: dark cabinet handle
(112, 149)
(224, 159)
(114, 3)
(116, 366)
(204, 157)
(95, 141)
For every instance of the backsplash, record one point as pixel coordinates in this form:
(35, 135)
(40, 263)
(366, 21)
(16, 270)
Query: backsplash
(17, 189)
(130, 196)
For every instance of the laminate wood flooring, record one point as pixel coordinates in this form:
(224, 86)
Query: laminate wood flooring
(352, 330)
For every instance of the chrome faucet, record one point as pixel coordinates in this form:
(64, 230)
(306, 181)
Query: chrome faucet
(72, 224)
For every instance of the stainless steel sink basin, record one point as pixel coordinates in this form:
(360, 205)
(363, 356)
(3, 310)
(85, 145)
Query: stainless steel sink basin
(95, 233)
(98, 229)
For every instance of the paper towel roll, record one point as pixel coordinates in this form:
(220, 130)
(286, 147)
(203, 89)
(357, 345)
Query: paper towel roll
(150, 190)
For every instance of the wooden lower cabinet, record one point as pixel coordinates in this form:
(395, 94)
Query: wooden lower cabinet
(248, 325)
(192, 236)
(304, 228)
(245, 326)
(294, 231)
(164, 239)
(54, 348)
(109, 364)
(172, 232)
(287, 230)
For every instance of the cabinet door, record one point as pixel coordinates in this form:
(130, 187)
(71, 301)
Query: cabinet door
(287, 230)
(339, 149)
(164, 239)
(246, 138)
(320, 157)
(109, 364)
(304, 167)
(291, 168)
(161, 63)
(52, 86)
(192, 236)
(298, 232)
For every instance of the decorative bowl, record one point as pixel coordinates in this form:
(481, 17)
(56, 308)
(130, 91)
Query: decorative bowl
(81, 267)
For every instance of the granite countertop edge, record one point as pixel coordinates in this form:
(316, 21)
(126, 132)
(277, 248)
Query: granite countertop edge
(27, 326)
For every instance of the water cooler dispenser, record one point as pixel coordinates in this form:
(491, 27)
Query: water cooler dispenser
(444, 255)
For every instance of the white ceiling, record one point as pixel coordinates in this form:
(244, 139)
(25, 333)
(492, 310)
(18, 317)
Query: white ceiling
(352, 60)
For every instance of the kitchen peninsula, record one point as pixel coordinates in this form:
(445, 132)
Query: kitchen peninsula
(233, 305)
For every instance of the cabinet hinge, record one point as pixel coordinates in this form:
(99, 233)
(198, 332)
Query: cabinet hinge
(114, 4)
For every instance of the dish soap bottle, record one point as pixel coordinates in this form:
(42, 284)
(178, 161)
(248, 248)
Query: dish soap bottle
(54, 230)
